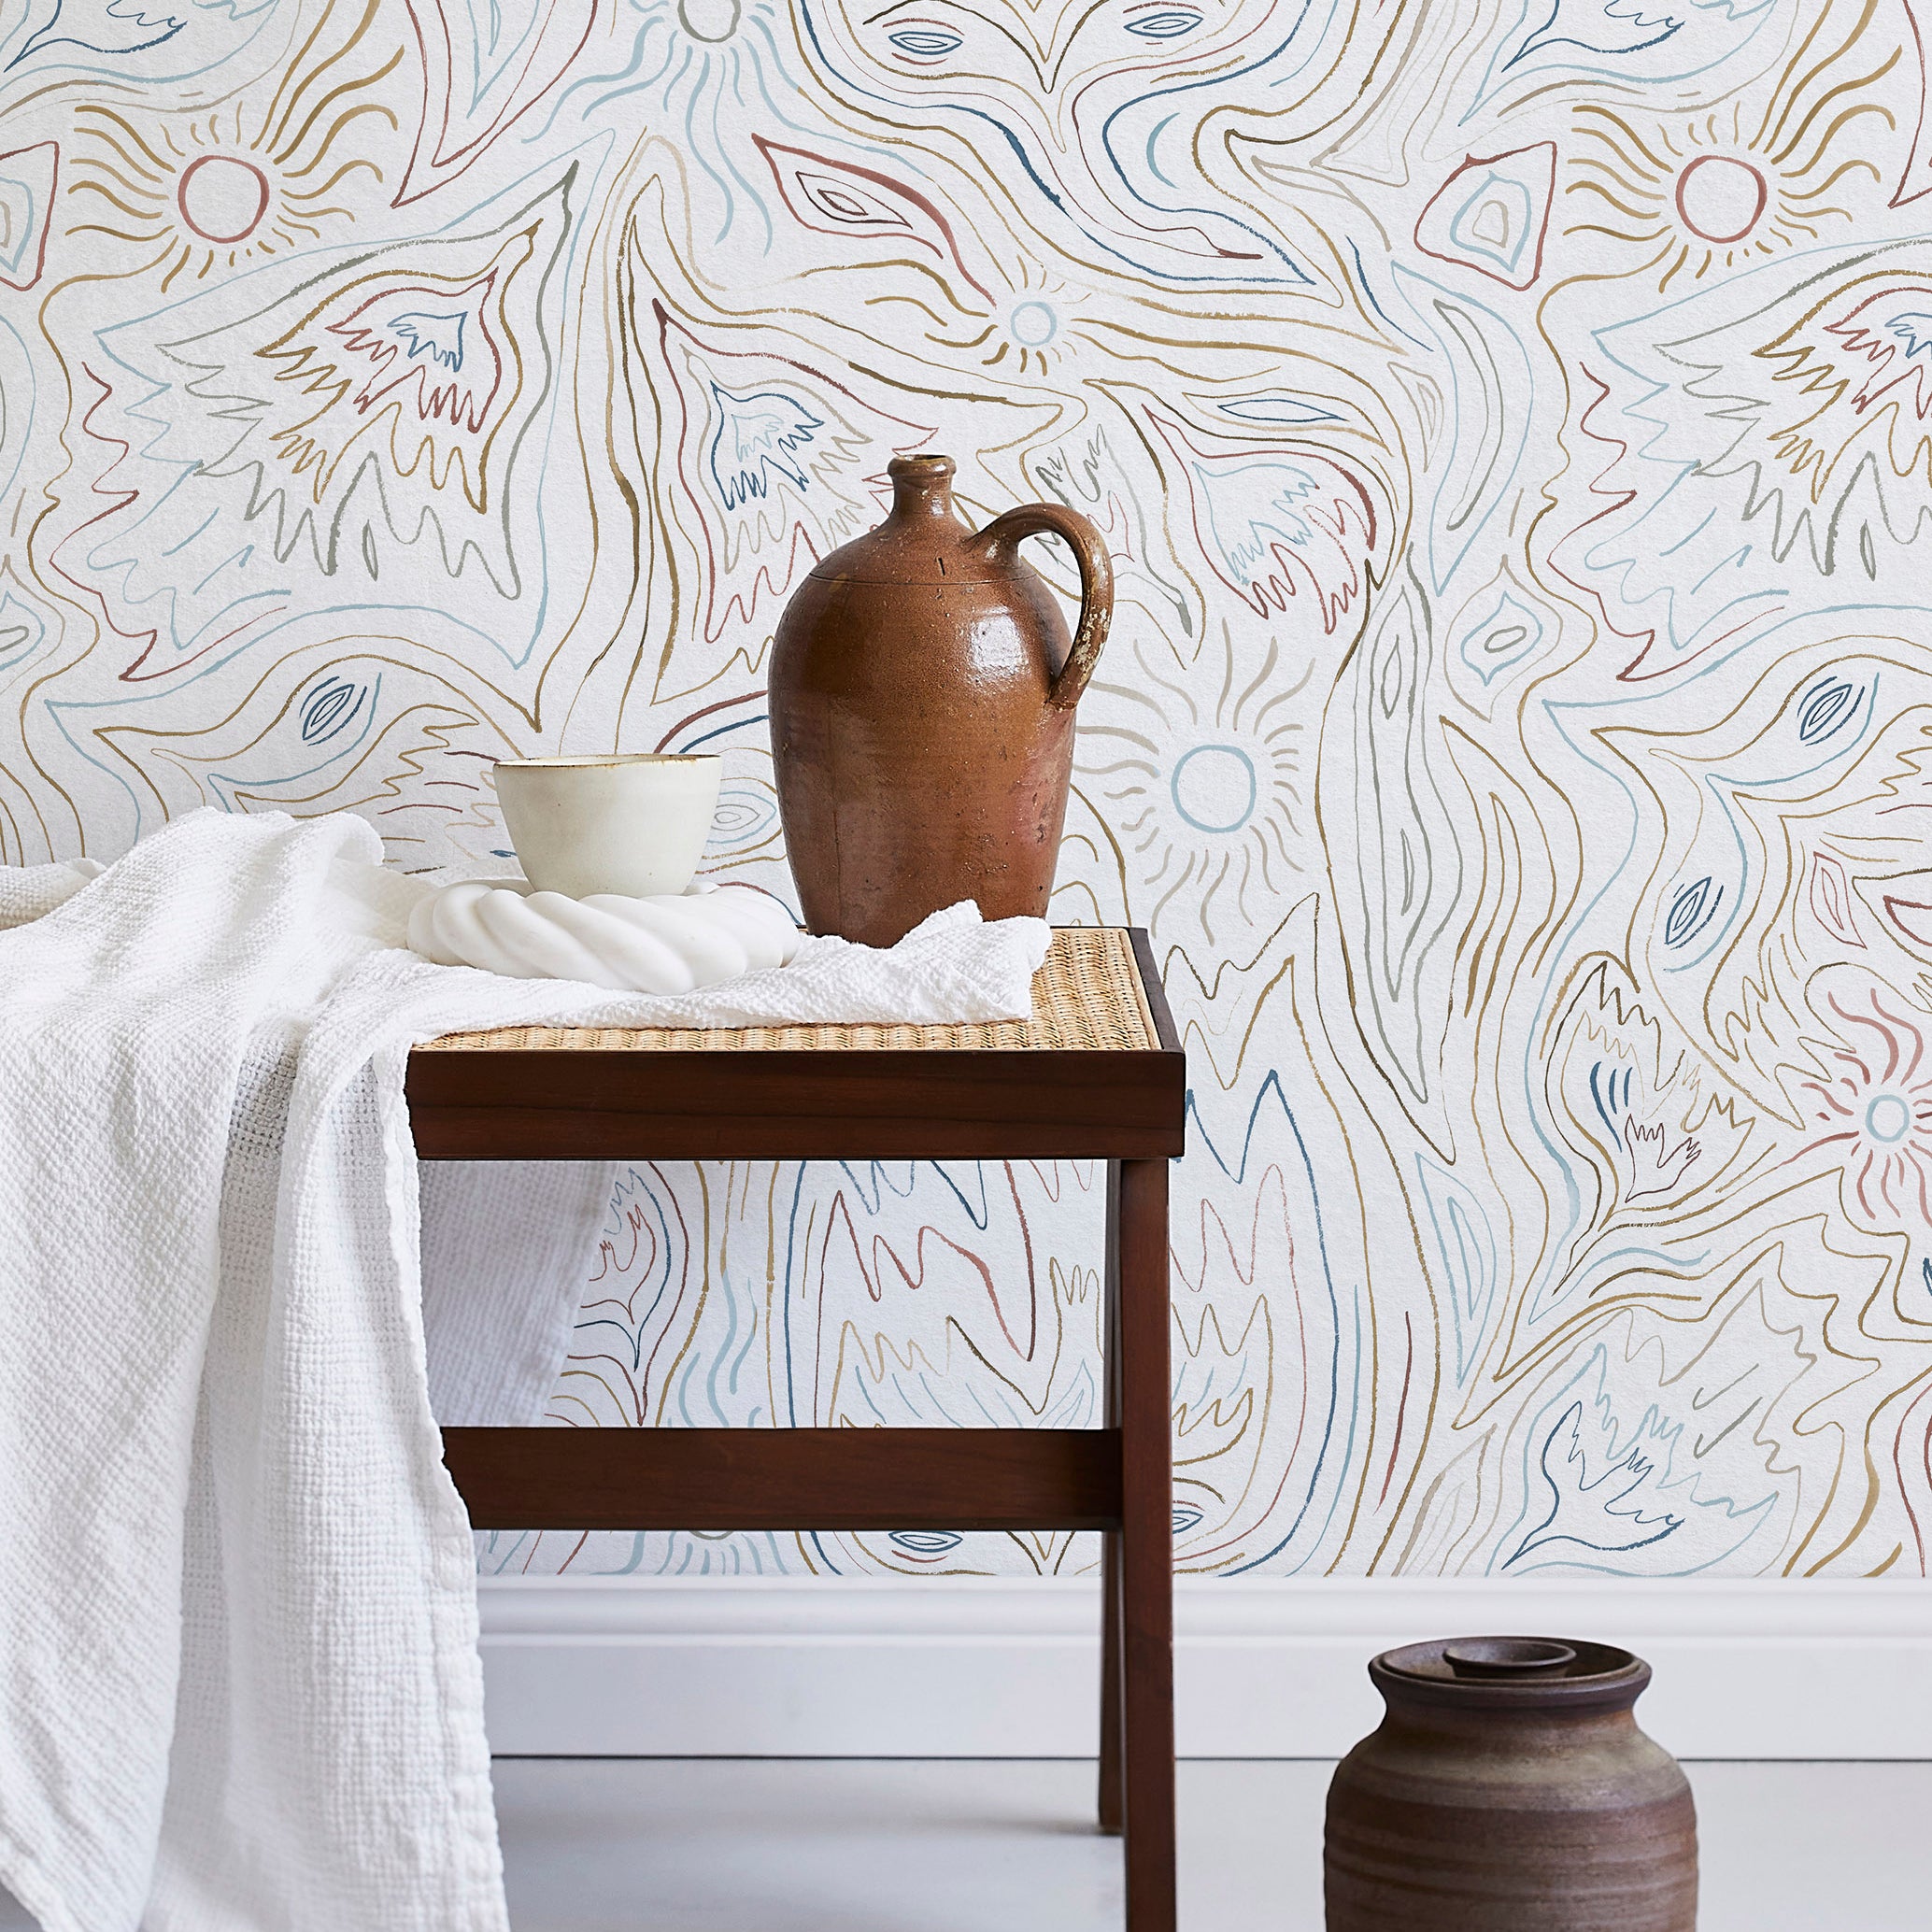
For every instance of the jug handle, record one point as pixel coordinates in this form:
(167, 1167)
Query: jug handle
(1004, 534)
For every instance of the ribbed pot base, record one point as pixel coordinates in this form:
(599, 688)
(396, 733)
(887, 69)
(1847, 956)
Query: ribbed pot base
(1448, 1869)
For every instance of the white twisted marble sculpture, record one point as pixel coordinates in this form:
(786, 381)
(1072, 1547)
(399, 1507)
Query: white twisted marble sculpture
(671, 944)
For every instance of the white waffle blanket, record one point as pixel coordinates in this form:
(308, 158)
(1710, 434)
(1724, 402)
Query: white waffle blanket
(239, 1689)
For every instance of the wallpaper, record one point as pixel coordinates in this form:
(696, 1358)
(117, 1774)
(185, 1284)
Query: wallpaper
(1510, 420)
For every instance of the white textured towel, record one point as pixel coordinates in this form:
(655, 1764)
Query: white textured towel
(239, 1689)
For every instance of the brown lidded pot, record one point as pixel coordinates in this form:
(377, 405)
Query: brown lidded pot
(1510, 1790)
(922, 695)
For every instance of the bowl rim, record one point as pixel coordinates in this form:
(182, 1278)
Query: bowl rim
(608, 760)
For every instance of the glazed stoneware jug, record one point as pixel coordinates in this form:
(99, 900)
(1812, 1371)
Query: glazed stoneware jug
(1510, 1790)
(922, 694)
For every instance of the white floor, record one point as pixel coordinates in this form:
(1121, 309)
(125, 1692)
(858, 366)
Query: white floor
(853, 1846)
(844, 1845)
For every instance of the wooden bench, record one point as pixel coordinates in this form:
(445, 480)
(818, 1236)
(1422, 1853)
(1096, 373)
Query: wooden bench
(1097, 1074)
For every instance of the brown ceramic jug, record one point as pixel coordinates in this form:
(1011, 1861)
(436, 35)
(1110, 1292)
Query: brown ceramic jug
(922, 692)
(1510, 1790)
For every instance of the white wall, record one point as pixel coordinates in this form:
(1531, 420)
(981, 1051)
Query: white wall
(1271, 1668)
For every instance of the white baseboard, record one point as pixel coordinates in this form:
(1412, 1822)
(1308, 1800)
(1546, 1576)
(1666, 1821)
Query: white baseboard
(1273, 1668)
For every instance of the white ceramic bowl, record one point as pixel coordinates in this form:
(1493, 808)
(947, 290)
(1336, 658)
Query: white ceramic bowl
(633, 824)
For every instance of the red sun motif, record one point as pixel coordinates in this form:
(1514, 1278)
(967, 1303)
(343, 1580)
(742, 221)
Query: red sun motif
(221, 197)
(1874, 1111)
(1720, 198)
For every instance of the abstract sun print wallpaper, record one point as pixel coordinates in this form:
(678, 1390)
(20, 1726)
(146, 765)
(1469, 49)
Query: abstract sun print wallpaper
(1510, 423)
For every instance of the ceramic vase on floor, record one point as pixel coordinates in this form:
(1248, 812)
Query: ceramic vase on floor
(922, 692)
(1509, 1789)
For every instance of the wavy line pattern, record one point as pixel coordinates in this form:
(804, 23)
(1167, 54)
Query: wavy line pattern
(1514, 429)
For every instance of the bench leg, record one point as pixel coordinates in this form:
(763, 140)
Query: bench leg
(1112, 1795)
(1138, 1191)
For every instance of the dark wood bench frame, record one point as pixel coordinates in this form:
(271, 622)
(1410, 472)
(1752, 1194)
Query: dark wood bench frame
(1127, 1108)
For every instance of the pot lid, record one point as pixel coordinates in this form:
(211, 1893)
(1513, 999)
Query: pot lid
(1519, 1671)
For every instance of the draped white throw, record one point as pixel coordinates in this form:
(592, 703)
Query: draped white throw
(239, 1689)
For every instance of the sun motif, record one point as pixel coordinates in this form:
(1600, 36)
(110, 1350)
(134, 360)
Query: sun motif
(1876, 1114)
(1204, 776)
(238, 184)
(1723, 189)
(1030, 328)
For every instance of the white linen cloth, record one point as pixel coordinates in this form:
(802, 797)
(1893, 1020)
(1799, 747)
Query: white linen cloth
(953, 967)
(239, 1689)
(508, 1246)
